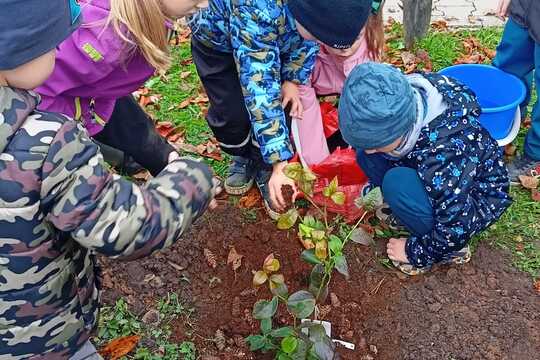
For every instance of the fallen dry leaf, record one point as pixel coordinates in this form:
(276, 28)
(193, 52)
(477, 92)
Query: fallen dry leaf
(529, 182)
(185, 74)
(535, 195)
(250, 200)
(537, 285)
(440, 25)
(234, 259)
(184, 104)
(119, 347)
(211, 259)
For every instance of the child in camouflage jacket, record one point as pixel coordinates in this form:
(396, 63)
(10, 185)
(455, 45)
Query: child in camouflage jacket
(58, 202)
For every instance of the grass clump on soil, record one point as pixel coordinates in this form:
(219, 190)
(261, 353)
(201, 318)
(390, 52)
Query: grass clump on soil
(154, 329)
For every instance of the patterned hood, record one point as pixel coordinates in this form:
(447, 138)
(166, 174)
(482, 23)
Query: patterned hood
(15, 106)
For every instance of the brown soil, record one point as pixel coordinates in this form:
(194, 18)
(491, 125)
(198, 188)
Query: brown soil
(288, 194)
(482, 310)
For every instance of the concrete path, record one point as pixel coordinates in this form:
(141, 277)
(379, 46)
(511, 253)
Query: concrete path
(457, 13)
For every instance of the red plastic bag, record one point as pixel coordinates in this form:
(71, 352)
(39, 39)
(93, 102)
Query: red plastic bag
(351, 179)
(341, 163)
(330, 118)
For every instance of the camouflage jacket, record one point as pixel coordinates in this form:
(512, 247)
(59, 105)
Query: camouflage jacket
(268, 50)
(59, 205)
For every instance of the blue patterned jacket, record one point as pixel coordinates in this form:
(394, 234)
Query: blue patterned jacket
(463, 172)
(262, 36)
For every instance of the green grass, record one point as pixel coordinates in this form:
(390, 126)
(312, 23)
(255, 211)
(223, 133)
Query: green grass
(118, 321)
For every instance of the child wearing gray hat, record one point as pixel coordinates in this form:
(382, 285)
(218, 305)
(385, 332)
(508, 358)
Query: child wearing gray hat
(442, 174)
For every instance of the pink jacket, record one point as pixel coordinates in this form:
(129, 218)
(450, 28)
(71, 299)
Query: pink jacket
(92, 71)
(327, 78)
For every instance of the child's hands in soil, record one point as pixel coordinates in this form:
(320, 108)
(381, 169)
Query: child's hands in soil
(396, 250)
(502, 8)
(278, 180)
(291, 94)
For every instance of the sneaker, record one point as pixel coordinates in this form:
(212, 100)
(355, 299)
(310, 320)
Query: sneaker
(459, 257)
(240, 178)
(261, 178)
(523, 165)
(384, 214)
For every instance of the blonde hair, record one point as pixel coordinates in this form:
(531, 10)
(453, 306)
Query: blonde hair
(142, 25)
(375, 34)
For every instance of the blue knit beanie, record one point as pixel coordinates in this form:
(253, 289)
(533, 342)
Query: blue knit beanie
(377, 106)
(31, 28)
(336, 23)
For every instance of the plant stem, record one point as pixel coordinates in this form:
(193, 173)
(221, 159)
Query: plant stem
(354, 228)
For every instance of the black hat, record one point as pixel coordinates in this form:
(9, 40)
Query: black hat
(31, 28)
(336, 23)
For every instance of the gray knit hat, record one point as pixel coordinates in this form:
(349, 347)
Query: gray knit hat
(377, 106)
(31, 28)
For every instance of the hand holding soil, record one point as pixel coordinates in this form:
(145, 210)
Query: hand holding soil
(276, 184)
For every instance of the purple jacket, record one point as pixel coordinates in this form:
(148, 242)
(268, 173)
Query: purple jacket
(92, 71)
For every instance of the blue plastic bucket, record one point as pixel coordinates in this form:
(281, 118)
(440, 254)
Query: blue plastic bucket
(498, 92)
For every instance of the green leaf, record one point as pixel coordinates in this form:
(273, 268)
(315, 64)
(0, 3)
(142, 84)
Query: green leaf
(301, 350)
(271, 264)
(370, 201)
(294, 171)
(309, 257)
(305, 230)
(316, 278)
(301, 304)
(266, 326)
(331, 188)
(278, 286)
(264, 309)
(318, 235)
(287, 220)
(341, 265)
(323, 347)
(306, 187)
(289, 344)
(338, 198)
(309, 221)
(283, 356)
(335, 245)
(361, 236)
(256, 342)
(282, 332)
(259, 278)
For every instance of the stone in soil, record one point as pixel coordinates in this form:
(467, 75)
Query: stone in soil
(481, 310)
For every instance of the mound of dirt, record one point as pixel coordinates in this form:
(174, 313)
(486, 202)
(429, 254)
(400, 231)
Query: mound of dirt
(482, 310)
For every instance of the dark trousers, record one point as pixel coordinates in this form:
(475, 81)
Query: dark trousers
(228, 116)
(403, 191)
(132, 131)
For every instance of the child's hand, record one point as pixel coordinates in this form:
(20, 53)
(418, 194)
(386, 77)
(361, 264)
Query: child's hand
(396, 250)
(290, 94)
(277, 180)
(216, 190)
(502, 9)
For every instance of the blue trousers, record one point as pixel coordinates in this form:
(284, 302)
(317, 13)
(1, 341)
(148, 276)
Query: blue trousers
(403, 191)
(518, 54)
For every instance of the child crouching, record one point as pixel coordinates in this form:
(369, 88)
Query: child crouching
(442, 174)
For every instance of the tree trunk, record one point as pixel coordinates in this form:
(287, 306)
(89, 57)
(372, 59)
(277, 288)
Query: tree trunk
(416, 20)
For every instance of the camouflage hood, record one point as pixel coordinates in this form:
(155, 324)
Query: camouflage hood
(15, 106)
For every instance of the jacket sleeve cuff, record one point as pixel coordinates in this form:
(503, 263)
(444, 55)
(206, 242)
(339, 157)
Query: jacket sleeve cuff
(277, 151)
(416, 253)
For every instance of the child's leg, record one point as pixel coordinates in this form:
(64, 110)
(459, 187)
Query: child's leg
(407, 197)
(132, 131)
(310, 128)
(532, 142)
(375, 166)
(515, 55)
(227, 116)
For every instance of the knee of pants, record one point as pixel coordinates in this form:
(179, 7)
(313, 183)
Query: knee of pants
(405, 194)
